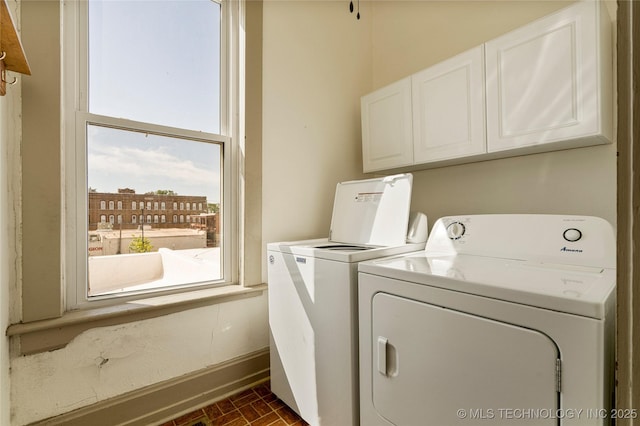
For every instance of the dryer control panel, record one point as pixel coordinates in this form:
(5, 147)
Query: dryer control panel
(571, 240)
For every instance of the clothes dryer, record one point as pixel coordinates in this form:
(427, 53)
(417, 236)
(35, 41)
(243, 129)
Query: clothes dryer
(503, 319)
(313, 297)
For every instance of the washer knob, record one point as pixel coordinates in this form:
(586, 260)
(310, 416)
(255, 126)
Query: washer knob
(572, 235)
(455, 230)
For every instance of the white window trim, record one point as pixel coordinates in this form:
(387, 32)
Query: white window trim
(75, 116)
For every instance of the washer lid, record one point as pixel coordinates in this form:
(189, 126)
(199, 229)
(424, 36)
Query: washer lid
(372, 211)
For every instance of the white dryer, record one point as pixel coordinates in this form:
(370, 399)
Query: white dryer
(313, 297)
(503, 319)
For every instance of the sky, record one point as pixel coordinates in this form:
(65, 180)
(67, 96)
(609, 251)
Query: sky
(156, 62)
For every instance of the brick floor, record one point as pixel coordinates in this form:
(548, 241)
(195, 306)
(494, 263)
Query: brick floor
(253, 407)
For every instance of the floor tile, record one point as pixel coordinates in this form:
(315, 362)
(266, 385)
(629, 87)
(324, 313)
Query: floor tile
(257, 406)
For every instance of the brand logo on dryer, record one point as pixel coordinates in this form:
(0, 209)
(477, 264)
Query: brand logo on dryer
(571, 250)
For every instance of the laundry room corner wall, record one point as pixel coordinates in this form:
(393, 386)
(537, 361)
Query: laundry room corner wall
(103, 362)
(316, 66)
(410, 36)
(10, 134)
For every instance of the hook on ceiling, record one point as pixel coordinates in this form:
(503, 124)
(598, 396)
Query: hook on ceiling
(351, 8)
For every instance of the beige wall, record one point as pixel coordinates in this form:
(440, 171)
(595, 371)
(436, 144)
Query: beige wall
(411, 35)
(9, 219)
(317, 64)
(318, 61)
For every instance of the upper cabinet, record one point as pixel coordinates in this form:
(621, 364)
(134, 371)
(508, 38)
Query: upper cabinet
(386, 127)
(550, 82)
(448, 108)
(543, 87)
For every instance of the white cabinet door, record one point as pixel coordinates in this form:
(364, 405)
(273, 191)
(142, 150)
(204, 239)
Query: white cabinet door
(544, 80)
(387, 140)
(448, 108)
(430, 362)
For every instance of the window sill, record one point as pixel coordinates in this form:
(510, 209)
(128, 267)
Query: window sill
(47, 335)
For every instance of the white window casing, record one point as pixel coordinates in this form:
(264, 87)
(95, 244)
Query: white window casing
(76, 117)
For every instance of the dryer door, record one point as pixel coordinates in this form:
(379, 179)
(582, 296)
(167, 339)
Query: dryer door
(436, 366)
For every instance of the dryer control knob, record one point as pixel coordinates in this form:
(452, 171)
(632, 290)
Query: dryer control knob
(455, 230)
(572, 235)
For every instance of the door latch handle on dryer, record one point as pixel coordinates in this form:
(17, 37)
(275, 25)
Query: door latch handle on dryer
(382, 355)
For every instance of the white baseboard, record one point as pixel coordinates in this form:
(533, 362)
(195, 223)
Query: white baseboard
(164, 401)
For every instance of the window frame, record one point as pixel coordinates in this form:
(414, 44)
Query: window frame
(76, 118)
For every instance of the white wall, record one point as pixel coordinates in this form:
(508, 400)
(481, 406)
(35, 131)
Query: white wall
(317, 64)
(411, 35)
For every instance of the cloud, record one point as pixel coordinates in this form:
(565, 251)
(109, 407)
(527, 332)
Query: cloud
(155, 167)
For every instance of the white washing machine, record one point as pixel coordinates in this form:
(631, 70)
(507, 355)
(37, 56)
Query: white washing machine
(503, 319)
(313, 297)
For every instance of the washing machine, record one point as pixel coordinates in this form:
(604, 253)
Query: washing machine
(313, 297)
(502, 319)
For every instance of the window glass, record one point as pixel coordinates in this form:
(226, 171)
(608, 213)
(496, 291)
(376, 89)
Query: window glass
(124, 164)
(169, 70)
(148, 125)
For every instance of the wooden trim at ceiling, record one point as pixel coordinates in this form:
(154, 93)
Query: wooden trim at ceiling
(628, 189)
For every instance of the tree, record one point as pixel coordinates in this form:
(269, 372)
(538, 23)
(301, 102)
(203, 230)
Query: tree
(140, 245)
(162, 192)
(213, 207)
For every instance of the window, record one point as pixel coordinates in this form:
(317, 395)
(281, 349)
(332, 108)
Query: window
(103, 218)
(188, 206)
(163, 206)
(122, 133)
(200, 206)
(119, 205)
(111, 219)
(103, 205)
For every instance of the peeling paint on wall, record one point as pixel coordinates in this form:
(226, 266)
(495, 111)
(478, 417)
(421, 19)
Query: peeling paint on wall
(105, 362)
